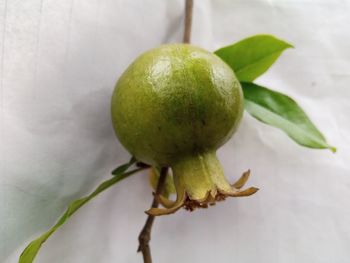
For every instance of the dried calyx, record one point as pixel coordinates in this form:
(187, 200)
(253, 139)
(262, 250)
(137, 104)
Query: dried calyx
(200, 182)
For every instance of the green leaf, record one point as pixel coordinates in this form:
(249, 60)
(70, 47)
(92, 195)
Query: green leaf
(122, 168)
(32, 249)
(253, 56)
(279, 110)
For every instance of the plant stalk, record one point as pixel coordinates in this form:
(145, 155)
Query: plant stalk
(145, 235)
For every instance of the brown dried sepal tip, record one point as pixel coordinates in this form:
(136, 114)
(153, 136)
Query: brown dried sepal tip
(191, 205)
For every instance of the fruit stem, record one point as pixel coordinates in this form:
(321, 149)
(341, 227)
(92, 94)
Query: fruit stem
(188, 21)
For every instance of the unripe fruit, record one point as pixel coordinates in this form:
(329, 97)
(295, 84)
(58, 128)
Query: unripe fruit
(174, 106)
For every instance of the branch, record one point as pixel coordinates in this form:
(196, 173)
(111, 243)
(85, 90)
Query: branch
(145, 235)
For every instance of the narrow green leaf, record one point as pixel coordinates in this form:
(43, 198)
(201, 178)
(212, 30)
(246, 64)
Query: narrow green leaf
(279, 110)
(30, 252)
(253, 56)
(122, 168)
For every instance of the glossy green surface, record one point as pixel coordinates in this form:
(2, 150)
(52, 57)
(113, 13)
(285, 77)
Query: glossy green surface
(253, 56)
(281, 111)
(174, 101)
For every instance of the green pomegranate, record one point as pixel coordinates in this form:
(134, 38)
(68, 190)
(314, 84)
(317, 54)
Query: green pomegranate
(174, 106)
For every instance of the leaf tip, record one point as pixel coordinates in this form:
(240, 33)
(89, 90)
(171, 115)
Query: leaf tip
(333, 149)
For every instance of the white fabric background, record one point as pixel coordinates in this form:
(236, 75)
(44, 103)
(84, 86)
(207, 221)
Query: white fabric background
(59, 62)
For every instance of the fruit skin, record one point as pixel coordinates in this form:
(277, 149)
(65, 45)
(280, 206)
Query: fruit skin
(176, 100)
(174, 106)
